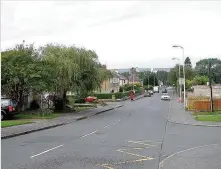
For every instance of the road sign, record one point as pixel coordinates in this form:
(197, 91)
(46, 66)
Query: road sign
(181, 81)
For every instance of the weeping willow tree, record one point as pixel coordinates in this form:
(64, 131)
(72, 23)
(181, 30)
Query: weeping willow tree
(73, 69)
(64, 65)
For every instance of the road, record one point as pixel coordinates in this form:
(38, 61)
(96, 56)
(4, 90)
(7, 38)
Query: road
(135, 136)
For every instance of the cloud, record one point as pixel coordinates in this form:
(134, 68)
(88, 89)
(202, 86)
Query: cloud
(121, 32)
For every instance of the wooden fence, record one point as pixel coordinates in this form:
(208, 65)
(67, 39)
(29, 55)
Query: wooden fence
(203, 105)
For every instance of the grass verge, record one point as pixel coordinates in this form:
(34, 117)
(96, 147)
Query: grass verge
(206, 113)
(10, 123)
(211, 118)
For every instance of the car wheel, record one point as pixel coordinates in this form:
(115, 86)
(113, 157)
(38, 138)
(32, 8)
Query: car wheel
(2, 116)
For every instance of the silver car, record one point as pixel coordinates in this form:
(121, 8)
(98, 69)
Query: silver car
(165, 96)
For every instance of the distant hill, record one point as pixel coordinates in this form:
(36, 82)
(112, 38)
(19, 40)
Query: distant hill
(123, 70)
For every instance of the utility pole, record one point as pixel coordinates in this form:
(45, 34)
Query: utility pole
(211, 89)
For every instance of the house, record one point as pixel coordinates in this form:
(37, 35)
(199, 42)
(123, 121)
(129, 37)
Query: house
(123, 80)
(134, 80)
(111, 84)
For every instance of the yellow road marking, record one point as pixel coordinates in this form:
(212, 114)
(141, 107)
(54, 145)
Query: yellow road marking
(107, 166)
(124, 162)
(137, 155)
(138, 148)
(142, 143)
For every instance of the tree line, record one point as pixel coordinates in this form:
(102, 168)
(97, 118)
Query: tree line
(54, 68)
(198, 75)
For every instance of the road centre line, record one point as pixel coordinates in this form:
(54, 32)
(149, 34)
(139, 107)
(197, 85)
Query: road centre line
(46, 151)
(63, 144)
(113, 123)
(89, 134)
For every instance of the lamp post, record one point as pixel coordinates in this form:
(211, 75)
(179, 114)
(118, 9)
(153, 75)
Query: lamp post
(179, 77)
(184, 85)
(133, 70)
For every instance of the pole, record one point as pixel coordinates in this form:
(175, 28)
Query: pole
(211, 89)
(133, 77)
(184, 84)
(180, 85)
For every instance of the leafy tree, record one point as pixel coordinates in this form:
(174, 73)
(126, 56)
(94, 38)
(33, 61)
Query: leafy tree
(22, 71)
(188, 62)
(162, 76)
(202, 68)
(200, 80)
(153, 80)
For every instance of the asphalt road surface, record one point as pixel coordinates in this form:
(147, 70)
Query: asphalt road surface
(135, 136)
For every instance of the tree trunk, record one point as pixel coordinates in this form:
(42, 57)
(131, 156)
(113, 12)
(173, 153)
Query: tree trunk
(64, 100)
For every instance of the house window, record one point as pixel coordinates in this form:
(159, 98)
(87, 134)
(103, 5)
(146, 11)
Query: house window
(115, 80)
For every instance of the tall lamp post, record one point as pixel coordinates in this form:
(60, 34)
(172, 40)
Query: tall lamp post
(133, 71)
(184, 85)
(179, 77)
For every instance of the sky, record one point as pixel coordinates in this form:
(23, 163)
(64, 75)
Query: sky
(123, 33)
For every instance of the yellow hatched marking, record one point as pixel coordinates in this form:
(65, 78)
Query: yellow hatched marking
(141, 143)
(137, 155)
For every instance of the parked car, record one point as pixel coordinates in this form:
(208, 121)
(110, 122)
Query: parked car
(147, 94)
(165, 96)
(8, 108)
(164, 91)
(90, 99)
(151, 92)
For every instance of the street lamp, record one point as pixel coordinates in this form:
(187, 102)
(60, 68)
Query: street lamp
(184, 85)
(179, 76)
(133, 71)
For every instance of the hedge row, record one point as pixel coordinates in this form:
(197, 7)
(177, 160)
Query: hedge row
(118, 95)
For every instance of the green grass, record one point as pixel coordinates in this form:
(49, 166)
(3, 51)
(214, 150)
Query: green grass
(211, 118)
(10, 123)
(207, 113)
(37, 116)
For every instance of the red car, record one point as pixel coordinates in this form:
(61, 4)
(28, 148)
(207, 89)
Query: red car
(90, 99)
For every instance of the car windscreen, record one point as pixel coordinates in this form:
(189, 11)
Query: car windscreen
(5, 102)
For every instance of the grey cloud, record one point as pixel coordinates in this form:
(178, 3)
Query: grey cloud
(134, 11)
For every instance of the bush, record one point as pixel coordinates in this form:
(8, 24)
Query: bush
(118, 95)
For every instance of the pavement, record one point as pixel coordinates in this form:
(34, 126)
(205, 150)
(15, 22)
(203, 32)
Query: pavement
(135, 136)
(62, 120)
(179, 115)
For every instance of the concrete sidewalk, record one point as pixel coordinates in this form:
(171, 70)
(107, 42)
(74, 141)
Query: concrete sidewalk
(62, 120)
(178, 115)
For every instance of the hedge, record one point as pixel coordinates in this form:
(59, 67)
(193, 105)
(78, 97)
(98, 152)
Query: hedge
(118, 95)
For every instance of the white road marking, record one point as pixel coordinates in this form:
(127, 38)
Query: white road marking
(107, 126)
(161, 163)
(113, 123)
(47, 151)
(89, 134)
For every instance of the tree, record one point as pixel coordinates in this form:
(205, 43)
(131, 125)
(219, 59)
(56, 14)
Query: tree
(188, 62)
(202, 68)
(200, 80)
(162, 76)
(22, 71)
(152, 77)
